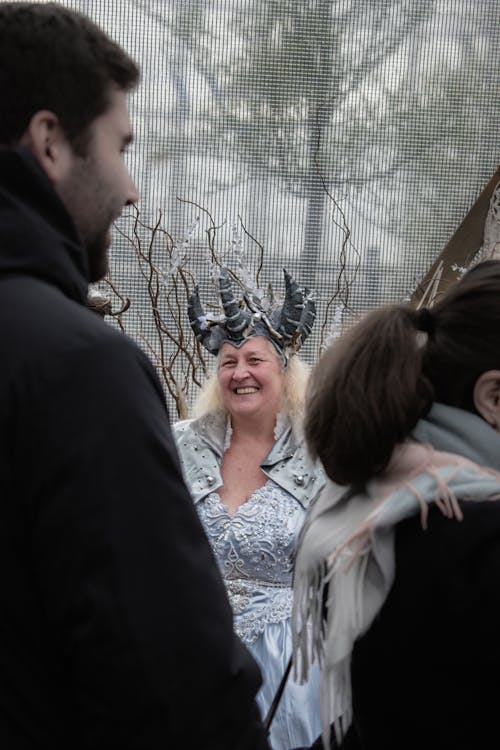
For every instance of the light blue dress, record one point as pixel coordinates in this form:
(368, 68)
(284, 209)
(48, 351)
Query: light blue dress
(254, 548)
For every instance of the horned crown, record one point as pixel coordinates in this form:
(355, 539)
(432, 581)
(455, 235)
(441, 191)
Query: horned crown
(287, 326)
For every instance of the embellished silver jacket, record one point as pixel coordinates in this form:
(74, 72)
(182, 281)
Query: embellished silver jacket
(255, 546)
(201, 446)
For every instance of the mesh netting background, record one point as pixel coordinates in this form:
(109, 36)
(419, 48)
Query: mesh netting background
(342, 140)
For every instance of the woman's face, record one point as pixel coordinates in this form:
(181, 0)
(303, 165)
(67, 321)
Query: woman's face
(251, 378)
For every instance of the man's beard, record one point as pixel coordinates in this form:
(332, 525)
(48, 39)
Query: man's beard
(86, 196)
(97, 254)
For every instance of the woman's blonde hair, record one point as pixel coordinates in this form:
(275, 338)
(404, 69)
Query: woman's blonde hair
(296, 375)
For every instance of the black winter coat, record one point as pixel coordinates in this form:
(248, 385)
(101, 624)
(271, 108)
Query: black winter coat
(425, 675)
(115, 630)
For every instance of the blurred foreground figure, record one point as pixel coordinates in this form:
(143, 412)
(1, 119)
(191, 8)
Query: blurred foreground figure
(399, 567)
(115, 629)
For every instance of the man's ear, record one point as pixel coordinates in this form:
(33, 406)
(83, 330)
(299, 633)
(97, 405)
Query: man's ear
(46, 140)
(486, 396)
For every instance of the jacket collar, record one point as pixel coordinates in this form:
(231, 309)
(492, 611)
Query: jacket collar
(37, 235)
(287, 463)
(212, 429)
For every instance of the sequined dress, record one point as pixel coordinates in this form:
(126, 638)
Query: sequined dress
(254, 549)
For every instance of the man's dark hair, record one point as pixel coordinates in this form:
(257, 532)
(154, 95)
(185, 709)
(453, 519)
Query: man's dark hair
(56, 59)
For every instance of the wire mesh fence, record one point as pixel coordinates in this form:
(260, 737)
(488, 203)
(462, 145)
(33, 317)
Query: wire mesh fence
(343, 140)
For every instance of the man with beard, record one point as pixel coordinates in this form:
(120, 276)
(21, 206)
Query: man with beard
(115, 630)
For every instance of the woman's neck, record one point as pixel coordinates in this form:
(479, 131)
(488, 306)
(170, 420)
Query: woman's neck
(247, 428)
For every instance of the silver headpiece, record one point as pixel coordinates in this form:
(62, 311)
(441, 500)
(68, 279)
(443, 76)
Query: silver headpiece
(286, 326)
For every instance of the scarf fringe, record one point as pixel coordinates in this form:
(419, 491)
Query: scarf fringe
(348, 618)
(308, 610)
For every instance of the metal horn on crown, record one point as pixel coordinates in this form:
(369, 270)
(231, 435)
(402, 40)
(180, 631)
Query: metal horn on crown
(297, 314)
(307, 317)
(212, 330)
(237, 320)
(205, 327)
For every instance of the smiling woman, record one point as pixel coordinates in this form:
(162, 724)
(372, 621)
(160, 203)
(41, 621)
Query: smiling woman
(251, 479)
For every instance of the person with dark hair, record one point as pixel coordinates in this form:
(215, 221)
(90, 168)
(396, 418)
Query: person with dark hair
(399, 564)
(115, 628)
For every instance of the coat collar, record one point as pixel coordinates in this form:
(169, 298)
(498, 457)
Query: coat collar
(212, 428)
(37, 235)
(201, 446)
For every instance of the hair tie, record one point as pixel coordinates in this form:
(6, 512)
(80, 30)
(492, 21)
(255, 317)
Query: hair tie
(426, 320)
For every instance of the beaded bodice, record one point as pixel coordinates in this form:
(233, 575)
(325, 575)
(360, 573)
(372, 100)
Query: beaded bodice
(254, 548)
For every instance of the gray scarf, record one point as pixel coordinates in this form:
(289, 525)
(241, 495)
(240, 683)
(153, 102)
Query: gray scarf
(347, 543)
